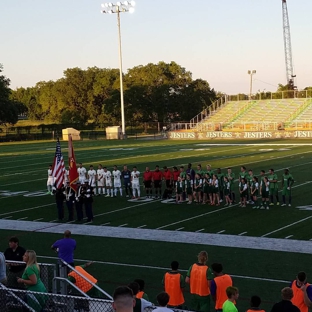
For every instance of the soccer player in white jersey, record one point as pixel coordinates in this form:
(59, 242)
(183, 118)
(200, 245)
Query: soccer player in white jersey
(50, 181)
(100, 180)
(92, 178)
(82, 173)
(108, 182)
(117, 181)
(135, 174)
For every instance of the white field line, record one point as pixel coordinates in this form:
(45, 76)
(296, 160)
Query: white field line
(141, 226)
(23, 218)
(289, 236)
(243, 233)
(221, 232)
(181, 228)
(122, 225)
(213, 211)
(195, 217)
(198, 231)
(38, 219)
(105, 223)
(167, 269)
(26, 209)
(22, 194)
(53, 220)
(7, 217)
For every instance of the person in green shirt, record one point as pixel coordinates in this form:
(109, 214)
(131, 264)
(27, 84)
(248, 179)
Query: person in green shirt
(199, 276)
(254, 192)
(249, 178)
(287, 183)
(199, 170)
(189, 188)
(31, 280)
(220, 176)
(198, 184)
(179, 188)
(231, 176)
(229, 305)
(264, 192)
(273, 187)
(227, 191)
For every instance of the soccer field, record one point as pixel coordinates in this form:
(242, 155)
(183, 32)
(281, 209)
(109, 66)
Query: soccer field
(23, 177)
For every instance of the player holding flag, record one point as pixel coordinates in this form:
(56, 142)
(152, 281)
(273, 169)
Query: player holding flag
(73, 173)
(58, 169)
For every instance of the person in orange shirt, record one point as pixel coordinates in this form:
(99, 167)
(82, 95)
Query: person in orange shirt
(167, 176)
(219, 285)
(174, 285)
(302, 292)
(199, 277)
(255, 302)
(157, 177)
(147, 181)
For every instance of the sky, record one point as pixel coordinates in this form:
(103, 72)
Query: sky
(218, 41)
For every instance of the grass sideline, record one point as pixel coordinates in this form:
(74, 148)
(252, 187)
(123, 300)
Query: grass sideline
(23, 168)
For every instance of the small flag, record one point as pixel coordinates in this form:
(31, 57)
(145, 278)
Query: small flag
(73, 173)
(58, 170)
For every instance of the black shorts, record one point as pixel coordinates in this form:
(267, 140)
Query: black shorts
(147, 184)
(157, 183)
(168, 184)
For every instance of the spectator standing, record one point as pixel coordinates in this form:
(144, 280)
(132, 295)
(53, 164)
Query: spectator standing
(229, 304)
(302, 292)
(174, 285)
(162, 299)
(285, 305)
(31, 280)
(140, 304)
(199, 276)
(141, 293)
(126, 175)
(255, 302)
(219, 285)
(123, 299)
(15, 252)
(65, 248)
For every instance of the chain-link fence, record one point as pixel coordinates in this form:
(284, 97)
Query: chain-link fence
(15, 270)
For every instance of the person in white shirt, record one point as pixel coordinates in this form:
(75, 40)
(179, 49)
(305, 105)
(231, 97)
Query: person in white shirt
(92, 178)
(82, 173)
(135, 174)
(108, 182)
(50, 181)
(100, 180)
(162, 299)
(117, 181)
(66, 176)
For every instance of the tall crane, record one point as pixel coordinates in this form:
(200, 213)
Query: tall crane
(287, 45)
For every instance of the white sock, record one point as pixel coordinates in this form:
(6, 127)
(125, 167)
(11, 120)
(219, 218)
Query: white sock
(115, 191)
(139, 193)
(112, 192)
(120, 191)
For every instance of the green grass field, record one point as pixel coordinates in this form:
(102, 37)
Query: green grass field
(23, 174)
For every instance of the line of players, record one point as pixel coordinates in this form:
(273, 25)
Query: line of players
(202, 186)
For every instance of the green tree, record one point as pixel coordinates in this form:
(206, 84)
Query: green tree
(9, 109)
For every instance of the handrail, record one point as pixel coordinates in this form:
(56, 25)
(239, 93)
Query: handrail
(85, 278)
(70, 283)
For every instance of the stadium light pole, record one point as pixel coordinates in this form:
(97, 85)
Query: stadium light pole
(251, 73)
(119, 7)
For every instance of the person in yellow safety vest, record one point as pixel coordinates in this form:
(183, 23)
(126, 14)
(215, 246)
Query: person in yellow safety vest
(141, 293)
(174, 285)
(199, 276)
(82, 283)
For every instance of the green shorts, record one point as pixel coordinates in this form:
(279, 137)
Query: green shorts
(200, 303)
(286, 192)
(273, 191)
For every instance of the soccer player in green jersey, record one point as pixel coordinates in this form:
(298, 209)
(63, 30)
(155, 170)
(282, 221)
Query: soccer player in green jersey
(198, 184)
(189, 188)
(264, 192)
(199, 170)
(179, 188)
(254, 190)
(287, 183)
(227, 191)
(209, 170)
(273, 187)
(220, 176)
(231, 176)
(229, 305)
(249, 178)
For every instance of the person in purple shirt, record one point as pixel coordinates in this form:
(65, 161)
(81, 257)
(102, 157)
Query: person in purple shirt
(65, 248)
(190, 171)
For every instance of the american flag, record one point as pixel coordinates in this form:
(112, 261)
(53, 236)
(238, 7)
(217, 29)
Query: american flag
(58, 170)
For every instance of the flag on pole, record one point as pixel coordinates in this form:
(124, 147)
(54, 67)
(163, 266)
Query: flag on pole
(73, 173)
(58, 170)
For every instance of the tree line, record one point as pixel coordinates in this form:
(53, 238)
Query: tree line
(160, 92)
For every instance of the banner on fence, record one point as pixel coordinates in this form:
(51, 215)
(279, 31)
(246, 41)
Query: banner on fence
(192, 135)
